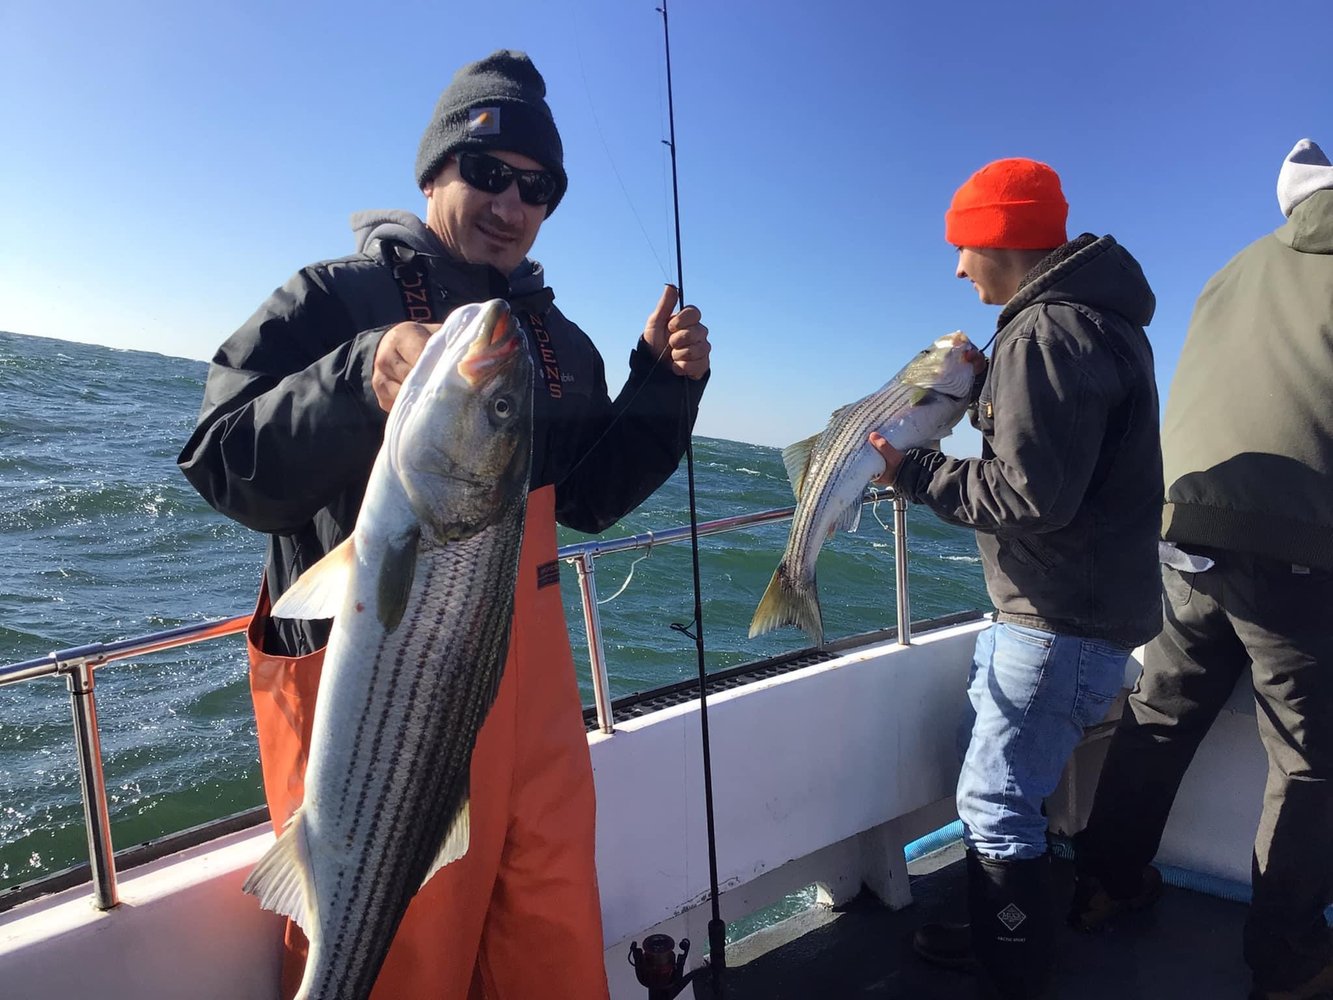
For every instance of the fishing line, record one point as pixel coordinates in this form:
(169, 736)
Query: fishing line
(587, 89)
(878, 496)
(620, 412)
(608, 600)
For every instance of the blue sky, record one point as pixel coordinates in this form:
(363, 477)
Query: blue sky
(163, 166)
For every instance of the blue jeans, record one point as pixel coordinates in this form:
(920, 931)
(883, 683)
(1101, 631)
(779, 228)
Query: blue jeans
(1031, 693)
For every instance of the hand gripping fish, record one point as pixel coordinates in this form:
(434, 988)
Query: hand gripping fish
(830, 471)
(421, 597)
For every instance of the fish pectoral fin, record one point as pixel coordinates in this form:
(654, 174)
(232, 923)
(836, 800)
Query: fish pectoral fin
(397, 572)
(320, 590)
(849, 519)
(455, 841)
(281, 880)
(796, 458)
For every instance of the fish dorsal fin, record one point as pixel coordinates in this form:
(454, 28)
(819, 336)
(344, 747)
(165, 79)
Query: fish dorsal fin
(849, 519)
(397, 571)
(281, 880)
(455, 841)
(320, 590)
(839, 412)
(796, 457)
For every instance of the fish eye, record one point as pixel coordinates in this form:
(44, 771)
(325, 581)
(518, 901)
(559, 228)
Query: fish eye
(501, 406)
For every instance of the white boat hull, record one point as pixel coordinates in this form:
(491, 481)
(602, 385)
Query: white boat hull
(821, 776)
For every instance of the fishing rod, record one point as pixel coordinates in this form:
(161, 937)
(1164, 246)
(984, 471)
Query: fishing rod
(656, 965)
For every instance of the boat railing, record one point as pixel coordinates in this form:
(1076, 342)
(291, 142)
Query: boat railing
(584, 556)
(78, 663)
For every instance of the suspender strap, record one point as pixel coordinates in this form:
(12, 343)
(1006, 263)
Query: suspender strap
(548, 365)
(409, 274)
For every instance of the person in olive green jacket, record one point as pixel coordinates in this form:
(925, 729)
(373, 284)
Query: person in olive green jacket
(1247, 445)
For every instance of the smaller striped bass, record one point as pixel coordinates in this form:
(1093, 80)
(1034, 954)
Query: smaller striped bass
(829, 472)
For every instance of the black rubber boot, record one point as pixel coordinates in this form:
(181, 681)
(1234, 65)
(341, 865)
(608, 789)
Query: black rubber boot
(945, 945)
(1095, 904)
(1010, 904)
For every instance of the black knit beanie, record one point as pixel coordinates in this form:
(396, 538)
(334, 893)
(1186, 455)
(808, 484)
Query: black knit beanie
(496, 103)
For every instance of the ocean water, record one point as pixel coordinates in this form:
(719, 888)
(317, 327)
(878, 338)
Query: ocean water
(102, 538)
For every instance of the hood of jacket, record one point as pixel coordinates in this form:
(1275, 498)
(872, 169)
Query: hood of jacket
(1093, 271)
(375, 226)
(1310, 228)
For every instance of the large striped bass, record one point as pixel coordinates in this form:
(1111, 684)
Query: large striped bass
(830, 471)
(421, 597)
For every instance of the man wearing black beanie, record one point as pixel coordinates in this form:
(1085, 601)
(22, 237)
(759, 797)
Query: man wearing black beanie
(495, 103)
(293, 416)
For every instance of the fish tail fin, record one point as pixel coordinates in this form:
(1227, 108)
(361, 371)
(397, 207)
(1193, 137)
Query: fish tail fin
(784, 604)
(281, 880)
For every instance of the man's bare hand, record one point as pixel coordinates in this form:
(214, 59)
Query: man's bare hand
(681, 340)
(893, 459)
(398, 351)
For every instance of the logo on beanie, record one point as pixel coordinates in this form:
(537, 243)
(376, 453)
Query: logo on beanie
(1011, 916)
(483, 121)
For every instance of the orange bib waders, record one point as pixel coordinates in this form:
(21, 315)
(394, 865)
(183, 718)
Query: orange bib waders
(518, 916)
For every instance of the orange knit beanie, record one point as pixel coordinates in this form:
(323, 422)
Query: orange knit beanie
(1016, 204)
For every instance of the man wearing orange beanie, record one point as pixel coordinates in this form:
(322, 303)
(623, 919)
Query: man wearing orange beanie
(1066, 502)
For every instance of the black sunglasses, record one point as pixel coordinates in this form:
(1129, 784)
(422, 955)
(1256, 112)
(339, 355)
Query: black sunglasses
(486, 173)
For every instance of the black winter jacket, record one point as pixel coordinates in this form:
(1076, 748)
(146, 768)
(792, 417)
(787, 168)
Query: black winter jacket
(290, 427)
(1066, 497)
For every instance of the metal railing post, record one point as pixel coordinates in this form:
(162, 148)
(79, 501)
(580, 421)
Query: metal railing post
(900, 569)
(88, 744)
(592, 623)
